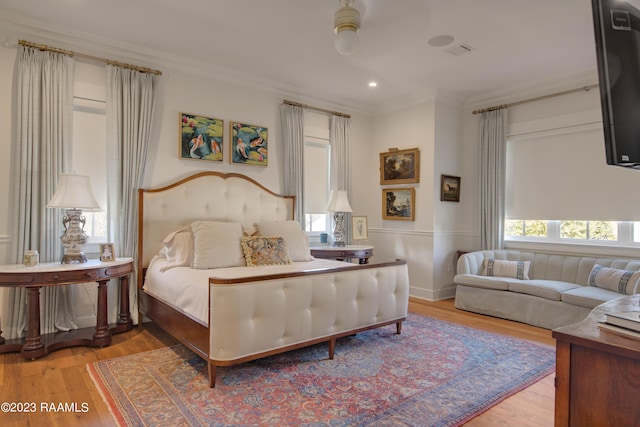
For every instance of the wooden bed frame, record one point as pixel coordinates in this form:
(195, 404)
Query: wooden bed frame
(198, 197)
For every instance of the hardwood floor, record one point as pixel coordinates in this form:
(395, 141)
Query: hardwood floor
(62, 377)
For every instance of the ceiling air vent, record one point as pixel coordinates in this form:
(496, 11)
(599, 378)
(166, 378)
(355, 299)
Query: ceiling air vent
(460, 49)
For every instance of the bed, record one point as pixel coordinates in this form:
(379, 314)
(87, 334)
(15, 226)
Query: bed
(227, 312)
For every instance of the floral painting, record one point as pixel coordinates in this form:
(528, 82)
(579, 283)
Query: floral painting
(201, 137)
(249, 144)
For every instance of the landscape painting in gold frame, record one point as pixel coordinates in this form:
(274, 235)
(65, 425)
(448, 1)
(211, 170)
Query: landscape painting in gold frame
(400, 166)
(399, 204)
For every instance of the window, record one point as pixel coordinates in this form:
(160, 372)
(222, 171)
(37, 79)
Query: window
(89, 152)
(317, 171)
(317, 157)
(611, 233)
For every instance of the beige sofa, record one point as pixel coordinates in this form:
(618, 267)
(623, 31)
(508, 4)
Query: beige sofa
(559, 290)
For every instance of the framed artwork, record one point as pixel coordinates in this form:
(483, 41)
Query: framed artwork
(359, 228)
(200, 137)
(400, 166)
(107, 252)
(249, 144)
(450, 188)
(399, 204)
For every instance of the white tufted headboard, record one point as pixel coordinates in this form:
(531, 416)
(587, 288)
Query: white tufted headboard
(211, 196)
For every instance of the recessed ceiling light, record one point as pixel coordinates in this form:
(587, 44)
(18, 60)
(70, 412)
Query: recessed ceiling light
(439, 41)
(373, 84)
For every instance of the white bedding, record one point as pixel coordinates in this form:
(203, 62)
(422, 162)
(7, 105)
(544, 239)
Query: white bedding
(187, 289)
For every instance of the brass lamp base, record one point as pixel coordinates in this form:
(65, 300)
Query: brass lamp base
(73, 258)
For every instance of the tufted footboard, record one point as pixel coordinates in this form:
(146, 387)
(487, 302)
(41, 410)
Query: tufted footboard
(273, 314)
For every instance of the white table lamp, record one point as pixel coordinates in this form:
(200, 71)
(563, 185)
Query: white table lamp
(338, 204)
(73, 194)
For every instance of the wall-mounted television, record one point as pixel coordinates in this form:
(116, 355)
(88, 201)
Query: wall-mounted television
(617, 36)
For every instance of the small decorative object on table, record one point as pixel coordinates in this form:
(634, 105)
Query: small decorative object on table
(107, 252)
(359, 228)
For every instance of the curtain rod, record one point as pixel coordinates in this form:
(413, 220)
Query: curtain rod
(309, 107)
(90, 57)
(552, 95)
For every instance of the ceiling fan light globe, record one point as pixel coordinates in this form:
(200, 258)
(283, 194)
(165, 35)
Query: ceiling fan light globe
(346, 42)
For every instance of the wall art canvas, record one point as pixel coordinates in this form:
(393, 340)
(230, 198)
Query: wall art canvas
(399, 204)
(359, 228)
(249, 144)
(450, 188)
(201, 137)
(400, 166)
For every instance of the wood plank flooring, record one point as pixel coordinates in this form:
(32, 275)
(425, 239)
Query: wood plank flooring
(62, 377)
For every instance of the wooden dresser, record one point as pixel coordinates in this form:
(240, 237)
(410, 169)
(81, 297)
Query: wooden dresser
(597, 372)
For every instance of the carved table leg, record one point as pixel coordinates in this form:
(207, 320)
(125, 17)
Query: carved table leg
(102, 335)
(124, 317)
(33, 346)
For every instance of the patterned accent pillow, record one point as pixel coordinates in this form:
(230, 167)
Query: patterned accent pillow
(503, 268)
(261, 250)
(614, 279)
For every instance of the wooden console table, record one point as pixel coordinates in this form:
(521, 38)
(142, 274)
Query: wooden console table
(342, 253)
(597, 372)
(54, 274)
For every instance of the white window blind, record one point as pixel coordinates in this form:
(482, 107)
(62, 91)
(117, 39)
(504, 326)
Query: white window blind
(561, 173)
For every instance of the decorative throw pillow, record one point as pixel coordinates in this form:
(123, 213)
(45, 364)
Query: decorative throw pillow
(614, 279)
(296, 240)
(216, 244)
(178, 249)
(503, 268)
(261, 250)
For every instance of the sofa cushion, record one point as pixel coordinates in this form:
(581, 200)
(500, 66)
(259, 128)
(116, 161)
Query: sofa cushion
(614, 279)
(498, 283)
(504, 268)
(548, 289)
(588, 296)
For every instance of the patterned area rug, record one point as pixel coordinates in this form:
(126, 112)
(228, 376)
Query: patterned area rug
(434, 374)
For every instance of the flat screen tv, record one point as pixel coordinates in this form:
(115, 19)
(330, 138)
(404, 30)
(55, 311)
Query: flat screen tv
(617, 36)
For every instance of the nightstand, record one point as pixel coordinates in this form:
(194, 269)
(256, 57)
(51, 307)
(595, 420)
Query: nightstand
(344, 253)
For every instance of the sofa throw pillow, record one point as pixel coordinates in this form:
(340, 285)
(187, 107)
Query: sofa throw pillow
(614, 279)
(216, 244)
(296, 240)
(503, 268)
(177, 248)
(262, 250)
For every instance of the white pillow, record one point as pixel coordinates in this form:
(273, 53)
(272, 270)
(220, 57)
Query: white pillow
(217, 244)
(178, 249)
(296, 240)
(503, 268)
(613, 279)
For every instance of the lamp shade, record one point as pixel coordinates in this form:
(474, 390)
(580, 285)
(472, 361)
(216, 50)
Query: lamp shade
(74, 191)
(346, 25)
(338, 202)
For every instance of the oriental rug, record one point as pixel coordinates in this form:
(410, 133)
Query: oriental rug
(433, 374)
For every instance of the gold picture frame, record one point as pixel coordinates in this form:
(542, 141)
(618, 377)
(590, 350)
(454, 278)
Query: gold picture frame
(107, 252)
(399, 204)
(359, 228)
(200, 137)
(400, 166)
(450, 188)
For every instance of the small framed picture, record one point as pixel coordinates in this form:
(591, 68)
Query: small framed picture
(450, 188)
(107, 253)
(399, 204)
(359, 228)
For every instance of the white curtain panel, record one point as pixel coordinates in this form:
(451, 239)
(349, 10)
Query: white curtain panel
(292, 121)
(340, 133)
(493, 148)
(42, 132)
(130, 110)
